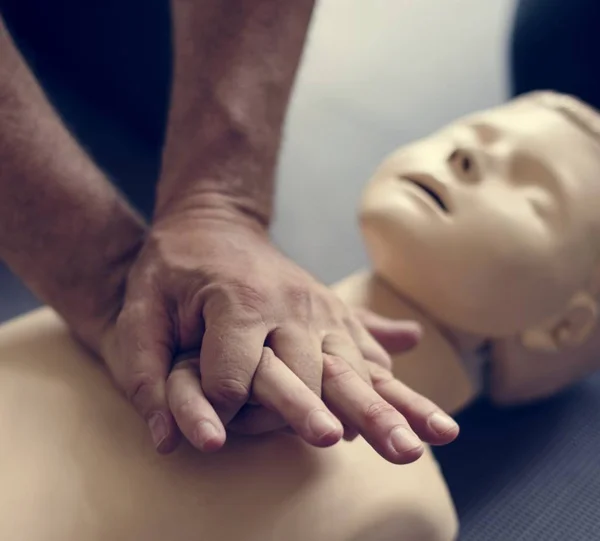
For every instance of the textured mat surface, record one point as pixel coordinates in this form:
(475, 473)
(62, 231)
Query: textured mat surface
(529, 473)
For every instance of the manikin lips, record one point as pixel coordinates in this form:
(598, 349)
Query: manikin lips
(425, 186)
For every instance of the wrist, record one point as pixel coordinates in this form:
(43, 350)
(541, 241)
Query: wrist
(92, 306)
(93, 296)
(223, 167)
(82, 274)
(207, 205)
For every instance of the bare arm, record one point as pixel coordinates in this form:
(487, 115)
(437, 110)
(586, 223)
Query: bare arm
(67, 232)
(235, 64)
(63, 228)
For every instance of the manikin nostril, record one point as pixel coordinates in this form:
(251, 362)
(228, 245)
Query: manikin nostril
(466, 164)
(461, 161)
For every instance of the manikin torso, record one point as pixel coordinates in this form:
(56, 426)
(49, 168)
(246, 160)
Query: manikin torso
(77, 464)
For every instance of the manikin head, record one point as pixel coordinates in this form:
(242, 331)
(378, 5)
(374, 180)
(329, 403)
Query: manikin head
(492, 224)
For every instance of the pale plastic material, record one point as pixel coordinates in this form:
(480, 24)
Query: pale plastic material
(485, 232)
(491, 227)
(77, 464)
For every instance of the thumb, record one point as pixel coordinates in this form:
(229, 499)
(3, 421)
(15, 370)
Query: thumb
(139, 363)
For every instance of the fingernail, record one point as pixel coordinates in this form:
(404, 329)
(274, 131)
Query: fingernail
(350, 434)
(158, 429)
(321, 423)
(206, 433)
(441, 423)
(403, 440)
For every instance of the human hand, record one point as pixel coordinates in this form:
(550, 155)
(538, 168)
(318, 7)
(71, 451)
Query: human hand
(216, 281)
(396, 337)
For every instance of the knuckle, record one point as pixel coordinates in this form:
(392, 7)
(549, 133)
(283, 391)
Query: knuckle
(267, 361)
(338, 322)
(299, 294)
(301, 300)
(227, 391)
(180, 373)
(246, 303)
(147, 271)
(250, 296)
(312, 304)
(349, 322)
(135, 318)
(183, 408)
(128, 315)
(376, 357)
(378, 410)
(335, 369)
(334, 311)
(379, 374)
(139, 389)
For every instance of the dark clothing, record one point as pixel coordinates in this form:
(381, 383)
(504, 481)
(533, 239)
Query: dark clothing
(556, 46)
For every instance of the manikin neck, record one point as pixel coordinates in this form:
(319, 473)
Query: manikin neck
(464, 342)
(471, 348)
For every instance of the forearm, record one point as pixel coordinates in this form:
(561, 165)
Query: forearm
(235, 65)
(63, 228)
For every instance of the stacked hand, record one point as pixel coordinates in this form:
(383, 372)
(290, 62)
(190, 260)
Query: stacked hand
(275, 348)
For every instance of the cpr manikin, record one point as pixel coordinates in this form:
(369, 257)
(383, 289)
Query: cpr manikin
(484, 232)
(488, 232)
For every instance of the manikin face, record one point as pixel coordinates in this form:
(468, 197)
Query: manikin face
(489, 224)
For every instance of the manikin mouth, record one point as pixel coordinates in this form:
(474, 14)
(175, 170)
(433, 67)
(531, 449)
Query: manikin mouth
(426, 187)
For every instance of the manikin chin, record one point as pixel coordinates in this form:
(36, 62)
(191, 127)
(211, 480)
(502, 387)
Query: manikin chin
(487, 232)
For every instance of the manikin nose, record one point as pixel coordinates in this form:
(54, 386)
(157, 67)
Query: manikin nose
(463, 165)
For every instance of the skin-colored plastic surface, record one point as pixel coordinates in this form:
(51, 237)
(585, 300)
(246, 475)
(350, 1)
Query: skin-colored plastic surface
(491, 228)
(77, 464)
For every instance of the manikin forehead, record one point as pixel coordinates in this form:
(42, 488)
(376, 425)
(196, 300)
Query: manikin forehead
(527, 123)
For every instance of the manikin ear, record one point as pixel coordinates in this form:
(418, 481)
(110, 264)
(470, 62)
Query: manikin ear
(567, 330)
